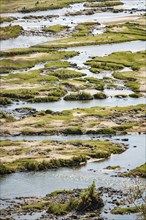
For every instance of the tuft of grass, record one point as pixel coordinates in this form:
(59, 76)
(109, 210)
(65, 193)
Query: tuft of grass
(100, 95)
(10, 32)
(65, 74)
(121, 211)
(139, 171)
(55, 28)
(104, 4)
(80, 96)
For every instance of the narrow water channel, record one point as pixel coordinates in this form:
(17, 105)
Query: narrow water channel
(41, 183)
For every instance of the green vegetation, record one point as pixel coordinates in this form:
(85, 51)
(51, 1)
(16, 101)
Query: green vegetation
(21, 93)
(77, 201)
(65, 74)
(78, 96)
(119, 60)
(30, 77)
(113, 167)
(6, 19)
(95, 120)
(5, 101)
(37, 155)
(134, 86)
(6, 117)
(10, 32)
(104, 4)
(84, 29)
(111, 36)
(100, 95)
(135, 95)
(139, 171)
(33, 165)
(126, 210)
(33, 5)
(99, 85)
(30, 60)
(89, 200)
(36, 206)
(136, 61)
(55, 28)
(106, 38)
(57, 64)
(72, 131)
(39, 94)
(135, 27)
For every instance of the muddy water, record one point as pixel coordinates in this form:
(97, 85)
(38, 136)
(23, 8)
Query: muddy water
(41, 183)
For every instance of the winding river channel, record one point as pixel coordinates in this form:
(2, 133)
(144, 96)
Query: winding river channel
(42, 183)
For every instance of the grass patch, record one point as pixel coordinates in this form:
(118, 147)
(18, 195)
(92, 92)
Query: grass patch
(104, 4)
(78, 96)
(33, 5)
(30, 60)
(58, 64)
(6, 19)
(139, 171)
(55, 28)
(66, 74)
(106, 38)
(121, 211)
(100, 95)
(119, 60)
(10, 32)
(5, 101)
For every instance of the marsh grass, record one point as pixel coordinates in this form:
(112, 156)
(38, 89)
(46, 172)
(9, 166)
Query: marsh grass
(10, 32)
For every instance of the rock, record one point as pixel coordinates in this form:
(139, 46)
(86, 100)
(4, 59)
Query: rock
(124, 139)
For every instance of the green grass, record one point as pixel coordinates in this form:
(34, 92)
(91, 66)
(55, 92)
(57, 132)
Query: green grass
(6, 19)
(100, 95)
(104, 4)
(134, 27)
(5, 101)
(10, 32)
(36, 206)
(33, 5)
(6, 117)
(106, 38)
(119, 60)
(120, 211)
(55, 28)
(84, 200)
(30, 77)
(57, 64)
(78, 96)
(113, 35)
(135, 95)
(32, 165)
(29, 60)
(66, 74)
(34, 95)
(139, 171)
(77, 151)
(84, 29)
(134, 86)
(99, 85)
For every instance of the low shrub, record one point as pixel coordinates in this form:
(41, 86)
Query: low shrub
(78, 96)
